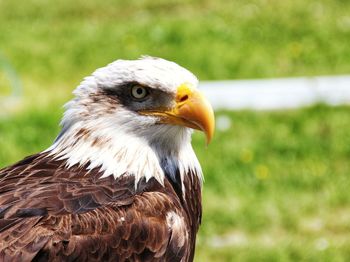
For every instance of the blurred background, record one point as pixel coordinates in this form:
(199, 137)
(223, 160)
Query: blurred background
(276, 181)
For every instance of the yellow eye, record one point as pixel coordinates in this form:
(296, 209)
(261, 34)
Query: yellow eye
(139, 92)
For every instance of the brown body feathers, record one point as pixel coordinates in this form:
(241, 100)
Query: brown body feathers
(49, 212)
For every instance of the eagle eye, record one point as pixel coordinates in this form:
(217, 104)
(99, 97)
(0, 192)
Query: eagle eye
(139, 92)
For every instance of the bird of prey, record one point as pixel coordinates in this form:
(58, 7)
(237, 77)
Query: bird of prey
(121, 181)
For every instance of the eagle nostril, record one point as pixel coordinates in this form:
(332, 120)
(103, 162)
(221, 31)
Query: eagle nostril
(184, 98)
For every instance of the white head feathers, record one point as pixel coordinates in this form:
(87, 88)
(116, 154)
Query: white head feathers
(104, 133)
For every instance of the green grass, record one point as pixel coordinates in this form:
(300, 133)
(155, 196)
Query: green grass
(276, 183)
(54, 45)
(277, 187)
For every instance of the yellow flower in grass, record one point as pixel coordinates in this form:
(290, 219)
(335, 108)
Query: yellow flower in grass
(261, 172)
(246, 156)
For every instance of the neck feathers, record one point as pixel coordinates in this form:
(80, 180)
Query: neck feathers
(118, 152)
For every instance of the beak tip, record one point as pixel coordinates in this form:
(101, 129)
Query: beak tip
(210, 130)
(209, 137)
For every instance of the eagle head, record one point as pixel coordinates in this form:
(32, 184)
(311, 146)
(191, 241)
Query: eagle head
(135, 117)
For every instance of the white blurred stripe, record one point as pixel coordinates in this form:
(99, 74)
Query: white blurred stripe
(267, 94)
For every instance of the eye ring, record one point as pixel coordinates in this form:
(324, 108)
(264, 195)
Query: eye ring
(139, 92)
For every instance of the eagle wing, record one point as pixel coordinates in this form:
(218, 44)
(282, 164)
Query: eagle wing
(51, 212)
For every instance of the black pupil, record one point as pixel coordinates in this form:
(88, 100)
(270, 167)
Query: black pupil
(139, 91)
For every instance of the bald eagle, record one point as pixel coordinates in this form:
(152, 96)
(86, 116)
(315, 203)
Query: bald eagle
(121, 181)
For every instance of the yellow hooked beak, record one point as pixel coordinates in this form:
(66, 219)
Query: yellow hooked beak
(192, 110)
